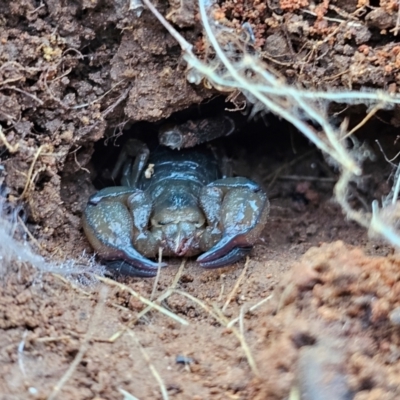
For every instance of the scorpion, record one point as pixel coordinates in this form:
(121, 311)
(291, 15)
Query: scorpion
(176, 200)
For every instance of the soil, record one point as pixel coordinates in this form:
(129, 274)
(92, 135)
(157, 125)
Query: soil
(316, 306)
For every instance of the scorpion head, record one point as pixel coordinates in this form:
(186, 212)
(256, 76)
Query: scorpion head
(179, 221)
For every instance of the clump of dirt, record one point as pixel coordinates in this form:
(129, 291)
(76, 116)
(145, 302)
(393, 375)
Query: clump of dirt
(335, 303)
(326, 44)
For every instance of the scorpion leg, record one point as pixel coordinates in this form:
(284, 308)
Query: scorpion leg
(131, 172)
(243, 215)
(109, 226)
(114, 193)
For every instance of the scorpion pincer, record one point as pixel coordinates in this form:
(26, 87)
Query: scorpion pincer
(182, 206)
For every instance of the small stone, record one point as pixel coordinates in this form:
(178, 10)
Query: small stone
(67, 136)
(183, 360)
(394, 316)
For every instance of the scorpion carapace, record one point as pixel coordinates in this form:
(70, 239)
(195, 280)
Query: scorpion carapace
(176, 201)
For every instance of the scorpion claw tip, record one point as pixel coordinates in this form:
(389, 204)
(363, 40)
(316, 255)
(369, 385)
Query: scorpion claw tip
(231, 257)
(203, 258)
(134, 258)
(125, 269)
(148, 265)
(220, 250)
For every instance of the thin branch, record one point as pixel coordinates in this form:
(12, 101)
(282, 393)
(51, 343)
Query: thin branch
(185, 45)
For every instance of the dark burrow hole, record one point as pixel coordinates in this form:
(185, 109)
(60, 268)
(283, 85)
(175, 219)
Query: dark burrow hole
(271, 152)
(259, 146)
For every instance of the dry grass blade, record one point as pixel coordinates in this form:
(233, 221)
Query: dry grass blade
(203, 305)
(364, 121)
(9, 147)
(127, 396)
(159, 299)
(153, 292)
(84, 346)
(240, 336)
(178, 274)
(52, 339)
(120, 99)
(29, 179)
(98, 98)
(185, 45)
(251, 309)
(30, 95)
(236, 286)
(152, 368)
(71, 284)
(241, 320)
(217, 314)
(167, 292)
(28, 232)
(221, 292)
(21, 347)
(149, 303)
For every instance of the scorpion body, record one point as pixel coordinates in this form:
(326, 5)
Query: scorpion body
(176, 201)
